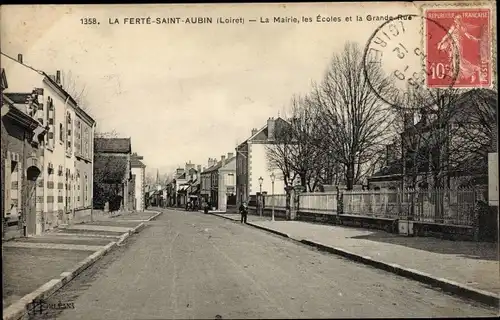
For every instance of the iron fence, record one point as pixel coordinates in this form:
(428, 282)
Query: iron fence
(445, 206)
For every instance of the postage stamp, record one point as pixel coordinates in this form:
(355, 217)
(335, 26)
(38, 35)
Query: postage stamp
(458, 42)
(395, 62)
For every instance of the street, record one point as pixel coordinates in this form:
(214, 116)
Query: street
(187, 265)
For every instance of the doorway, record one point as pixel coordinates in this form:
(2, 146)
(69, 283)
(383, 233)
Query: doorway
(32, 174)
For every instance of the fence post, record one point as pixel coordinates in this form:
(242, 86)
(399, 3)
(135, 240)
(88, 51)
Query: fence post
(476, 215)
(340, 202)
(293, 204)
(399, 195)
(412, 204)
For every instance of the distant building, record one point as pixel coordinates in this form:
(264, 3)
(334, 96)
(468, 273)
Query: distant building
(412, 165)
(139, 175)
(206, 180)
(251, 163)
(227, 183)
(112, 173)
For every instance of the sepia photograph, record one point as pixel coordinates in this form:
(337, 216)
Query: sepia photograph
(249, 161)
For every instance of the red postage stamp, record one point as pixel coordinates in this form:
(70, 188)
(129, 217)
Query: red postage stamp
(458, 47)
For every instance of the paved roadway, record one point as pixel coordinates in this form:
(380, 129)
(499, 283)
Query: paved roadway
(187, 265)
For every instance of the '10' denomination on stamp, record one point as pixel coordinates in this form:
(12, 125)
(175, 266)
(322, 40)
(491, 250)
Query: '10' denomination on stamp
(458, 45)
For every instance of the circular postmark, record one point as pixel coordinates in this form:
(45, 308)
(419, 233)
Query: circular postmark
(397, 66)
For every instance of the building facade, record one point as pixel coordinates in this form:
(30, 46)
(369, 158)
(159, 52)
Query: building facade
(227, 183)
(206, 180)
(64, 187)
(21, 144)
(251, 163)
(139, 176)
(112, 174)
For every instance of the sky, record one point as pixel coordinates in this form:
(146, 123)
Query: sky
(186, 92)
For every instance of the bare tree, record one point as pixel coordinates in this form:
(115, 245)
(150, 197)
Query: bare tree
(295, 151)
(451, 137)
(75, 89)
(354, 123)
(109, 173)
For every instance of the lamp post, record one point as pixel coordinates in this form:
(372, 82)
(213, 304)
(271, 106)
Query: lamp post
(260, 196)
(272, 192)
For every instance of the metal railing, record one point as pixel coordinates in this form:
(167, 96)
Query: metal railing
(445, 206)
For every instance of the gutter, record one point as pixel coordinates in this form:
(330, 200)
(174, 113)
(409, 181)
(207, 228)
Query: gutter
(91, 142)
(65, 145)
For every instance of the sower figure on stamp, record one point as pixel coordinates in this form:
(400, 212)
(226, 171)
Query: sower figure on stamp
(455, 36)
(243, 212)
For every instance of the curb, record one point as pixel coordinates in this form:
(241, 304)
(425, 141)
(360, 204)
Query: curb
(447, 285)
(269, 230)
(255, 226)
(450, 286)
(18, 309)
(217, 215)
(155, 216)
(129, 233)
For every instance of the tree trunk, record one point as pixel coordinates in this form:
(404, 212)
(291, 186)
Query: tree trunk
(350, 176)
(303, 180)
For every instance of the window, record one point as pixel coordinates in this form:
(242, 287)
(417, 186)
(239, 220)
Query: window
(86, 189)
(69, 127)
(61, 132)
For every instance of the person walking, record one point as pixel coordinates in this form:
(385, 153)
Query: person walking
(243, 212)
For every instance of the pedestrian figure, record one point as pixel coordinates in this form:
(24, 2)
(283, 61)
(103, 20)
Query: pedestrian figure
(243, 212)
(205, 207)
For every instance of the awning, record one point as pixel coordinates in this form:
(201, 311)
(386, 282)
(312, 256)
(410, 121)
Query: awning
(195, 189)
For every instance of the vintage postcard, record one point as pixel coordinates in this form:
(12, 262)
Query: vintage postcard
(242, 161)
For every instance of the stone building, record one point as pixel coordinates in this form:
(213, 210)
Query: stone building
(139, 176)
(21, 144)
(251, 162)
(112, 174)
(64, 187)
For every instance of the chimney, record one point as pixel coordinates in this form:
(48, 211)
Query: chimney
(58, 77)
(223, 160)
(229, 155)
(254, 131)
(199, 168)
(270, 129)
(20, 58)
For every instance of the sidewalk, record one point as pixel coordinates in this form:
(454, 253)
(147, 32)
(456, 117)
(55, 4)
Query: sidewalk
(464, 266)
(36, 267)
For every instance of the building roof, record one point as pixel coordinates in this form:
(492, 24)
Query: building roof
(136, 163)
(18, 98)
(113, 145)
(55, 84)
(394, 168)
(3, 80)
(262, 132)
(213, 168)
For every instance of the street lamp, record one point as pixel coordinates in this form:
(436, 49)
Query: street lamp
(260, 197)
(272, 191)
